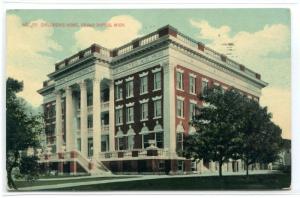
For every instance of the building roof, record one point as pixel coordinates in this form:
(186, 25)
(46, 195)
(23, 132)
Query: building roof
(167, 32)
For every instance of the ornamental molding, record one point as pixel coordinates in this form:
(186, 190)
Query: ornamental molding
(180, 98)
(144, 101)
(118, 82)
(129, 78)
(193, 75)
(119, 106)
(156, 98)
(74, 78)
(155, 70)
(193, 101)
(143, 74)
(129, 104)
(180, 70)
(141, 63)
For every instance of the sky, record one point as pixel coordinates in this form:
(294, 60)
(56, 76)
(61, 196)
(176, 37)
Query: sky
(261, 40)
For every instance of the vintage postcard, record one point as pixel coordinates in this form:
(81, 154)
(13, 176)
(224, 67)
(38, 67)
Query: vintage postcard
(156, 99)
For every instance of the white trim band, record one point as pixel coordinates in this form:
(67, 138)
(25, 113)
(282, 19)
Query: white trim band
(129, 78)
(143, 74)
(129, 104)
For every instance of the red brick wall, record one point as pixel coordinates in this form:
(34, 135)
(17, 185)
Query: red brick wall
(187, 96)
(138, 125)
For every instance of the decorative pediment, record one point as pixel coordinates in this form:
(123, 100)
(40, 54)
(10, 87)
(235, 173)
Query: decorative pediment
(179, 128)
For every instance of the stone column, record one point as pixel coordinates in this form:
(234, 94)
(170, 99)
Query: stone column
(58, 123)
(111, 117)
(70, 142)
(96, 119)
(83, 119)
(169, 108)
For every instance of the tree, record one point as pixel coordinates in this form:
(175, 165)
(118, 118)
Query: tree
(261, 137)
(22, 130)
(217, 123)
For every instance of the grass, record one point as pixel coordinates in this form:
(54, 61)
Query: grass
(21, 184)
(253, 182)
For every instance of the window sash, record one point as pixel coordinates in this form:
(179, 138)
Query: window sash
(129, 116)
(157, 81)
(119, 116)
(157, 108)
(129, 89)
(144, 111)
(119, 92)
(179, 78)
(144, 85)
(192, 85)
(180, 108)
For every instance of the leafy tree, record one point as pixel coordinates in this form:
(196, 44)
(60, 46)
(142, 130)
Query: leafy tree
(217, 123)
(22, 131)
(261, 137)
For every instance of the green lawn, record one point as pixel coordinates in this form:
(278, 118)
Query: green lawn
(253, 182)
(21, 184)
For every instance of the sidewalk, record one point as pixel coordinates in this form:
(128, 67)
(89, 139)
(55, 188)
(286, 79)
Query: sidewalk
(142, 177)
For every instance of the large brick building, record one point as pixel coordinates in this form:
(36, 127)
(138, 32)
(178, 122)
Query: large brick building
(127, 109)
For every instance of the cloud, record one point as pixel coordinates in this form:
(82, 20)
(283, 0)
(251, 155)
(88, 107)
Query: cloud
(278, 101)
(266, 51)
(26, 60)
(110, 37)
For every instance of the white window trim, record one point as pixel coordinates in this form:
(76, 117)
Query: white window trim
(180, 70)
(156, 98)
(157, 117)
(118, 82)
(224, 87)
(155, 70)
(193, 75)
(180, 98)
(144, 101)
(119, 124)
(216, 84)
(129, 104)
(143, 74)
(193, 101)
(119, 106)
(205, 80)
(129, 79)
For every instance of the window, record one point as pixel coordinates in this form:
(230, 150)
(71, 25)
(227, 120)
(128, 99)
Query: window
(90, 121)
(160, 140)
(119, 92)
(144, 85)
(146, 140)
(130, 142)
(157, 81)
(179, 141)
(90, 147)
(89, 99)
(129, 89)
(129, 115)
(180, 108)
(192, 110)
(122, 143)
(179, 80)
(119, 116)
(157, 108)
(192, 85)
(204, 87)
(144, 111)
